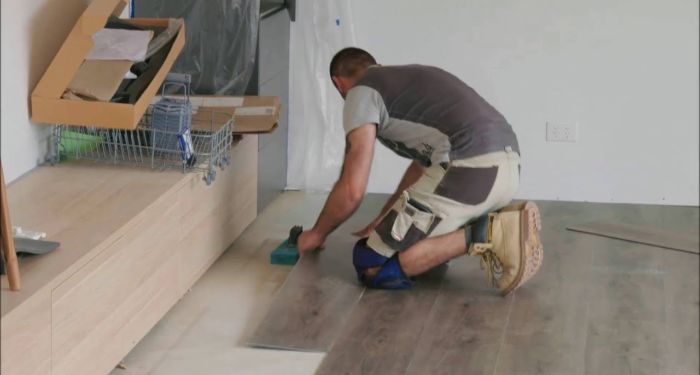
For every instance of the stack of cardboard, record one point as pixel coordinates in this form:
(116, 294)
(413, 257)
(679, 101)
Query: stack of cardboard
(108, 70)
(87, 82)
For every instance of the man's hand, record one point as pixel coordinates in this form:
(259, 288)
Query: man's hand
(366, 231)
(309, 240)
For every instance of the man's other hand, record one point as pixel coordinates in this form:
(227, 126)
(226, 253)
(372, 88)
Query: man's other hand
(309, 240)
(366, 231)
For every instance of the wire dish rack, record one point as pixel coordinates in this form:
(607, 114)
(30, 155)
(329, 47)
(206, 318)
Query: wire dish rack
(167, 137)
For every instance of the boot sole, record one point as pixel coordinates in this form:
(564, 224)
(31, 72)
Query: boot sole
(531, 250)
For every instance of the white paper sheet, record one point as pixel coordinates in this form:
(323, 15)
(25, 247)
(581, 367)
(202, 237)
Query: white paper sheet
(217, 101)
(117, 44)
(255, 111)
(210, 101)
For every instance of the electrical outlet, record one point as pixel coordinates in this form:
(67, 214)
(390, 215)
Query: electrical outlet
(562, 132)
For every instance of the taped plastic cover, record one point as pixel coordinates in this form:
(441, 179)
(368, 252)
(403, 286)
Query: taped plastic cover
(316, 136)
(221, 43)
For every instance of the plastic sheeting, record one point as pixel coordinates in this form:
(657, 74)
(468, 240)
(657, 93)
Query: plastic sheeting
(222, 37)
(316, 136)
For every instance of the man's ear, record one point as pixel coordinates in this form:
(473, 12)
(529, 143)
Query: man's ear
(336, 82)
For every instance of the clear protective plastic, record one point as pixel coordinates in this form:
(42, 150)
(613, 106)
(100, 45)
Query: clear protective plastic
(316, 135)
(221, 40)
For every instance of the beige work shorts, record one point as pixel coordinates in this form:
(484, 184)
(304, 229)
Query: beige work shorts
(446, 198)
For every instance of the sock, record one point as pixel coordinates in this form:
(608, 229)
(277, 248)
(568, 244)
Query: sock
(479, 229)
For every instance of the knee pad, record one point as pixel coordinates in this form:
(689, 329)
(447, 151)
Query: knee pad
(363, 257)
(389, 276)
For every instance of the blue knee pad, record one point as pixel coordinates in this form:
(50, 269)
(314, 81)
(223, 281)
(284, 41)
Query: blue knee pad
(390, 275)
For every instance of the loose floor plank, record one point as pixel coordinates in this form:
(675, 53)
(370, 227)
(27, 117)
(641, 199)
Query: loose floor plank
(686, 242)
(319, 293)
(312, 304)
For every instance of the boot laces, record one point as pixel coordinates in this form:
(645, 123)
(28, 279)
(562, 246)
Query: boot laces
(489, 262)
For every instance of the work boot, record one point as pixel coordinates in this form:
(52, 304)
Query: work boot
(512, 252)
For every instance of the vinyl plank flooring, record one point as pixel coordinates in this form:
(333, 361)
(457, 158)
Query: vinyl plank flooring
(597, 306)
(319, 293)
(463, 332)
(381, 333)
(681, 338)
(546, 329)
(623, 347)
(604, 307)
(687, 242)
(626, 312)
(312, 304)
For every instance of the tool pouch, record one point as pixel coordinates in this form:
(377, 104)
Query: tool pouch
(407, 223)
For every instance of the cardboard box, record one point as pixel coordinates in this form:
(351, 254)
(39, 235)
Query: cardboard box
(48, 106)
(251, 114)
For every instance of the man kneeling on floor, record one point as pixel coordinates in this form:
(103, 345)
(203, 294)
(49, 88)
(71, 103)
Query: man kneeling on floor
(453, 198)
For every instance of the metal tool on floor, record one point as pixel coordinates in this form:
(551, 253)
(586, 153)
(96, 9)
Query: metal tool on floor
(34, 247)
(287, 253)
(30, 247)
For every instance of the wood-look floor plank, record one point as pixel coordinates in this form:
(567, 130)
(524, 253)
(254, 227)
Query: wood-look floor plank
(462, 333)
(312, 304)
(601, 306)
(687, 242)
(546, 328)
(320, 291)
(596, 307)
(681, 335)
(381, 333)
(626, 310)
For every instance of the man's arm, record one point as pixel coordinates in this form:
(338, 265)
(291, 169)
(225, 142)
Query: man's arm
(414, 171)
(348, 191)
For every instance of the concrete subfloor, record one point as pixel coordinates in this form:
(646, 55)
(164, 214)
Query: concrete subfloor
(206, 332)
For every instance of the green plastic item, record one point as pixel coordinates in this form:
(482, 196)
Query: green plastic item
(71, 142)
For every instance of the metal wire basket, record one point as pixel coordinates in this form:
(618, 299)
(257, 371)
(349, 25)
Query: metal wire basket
(166, 138)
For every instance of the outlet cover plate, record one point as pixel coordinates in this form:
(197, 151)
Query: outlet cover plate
(562, 132)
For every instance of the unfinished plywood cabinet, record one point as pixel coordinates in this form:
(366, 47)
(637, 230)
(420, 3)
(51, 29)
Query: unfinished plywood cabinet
(133, 242)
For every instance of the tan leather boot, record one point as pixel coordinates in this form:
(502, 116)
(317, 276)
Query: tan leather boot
(513, 252)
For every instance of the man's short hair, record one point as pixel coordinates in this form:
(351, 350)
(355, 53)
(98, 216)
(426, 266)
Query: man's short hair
(349, 61)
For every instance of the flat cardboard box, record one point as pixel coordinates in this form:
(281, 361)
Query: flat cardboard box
(99, 79)
(251, 114)
(47, 105)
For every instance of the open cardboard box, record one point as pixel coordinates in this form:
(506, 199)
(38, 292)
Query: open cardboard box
(251, 114)
(47, 104)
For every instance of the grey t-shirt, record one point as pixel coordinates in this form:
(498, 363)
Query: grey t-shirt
(426, 114)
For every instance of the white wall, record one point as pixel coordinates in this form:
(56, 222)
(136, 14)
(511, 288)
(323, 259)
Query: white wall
(625, 70)
(315, 135)
(32, 32)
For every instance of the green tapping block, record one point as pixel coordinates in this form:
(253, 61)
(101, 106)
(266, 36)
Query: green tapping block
(285, 254)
